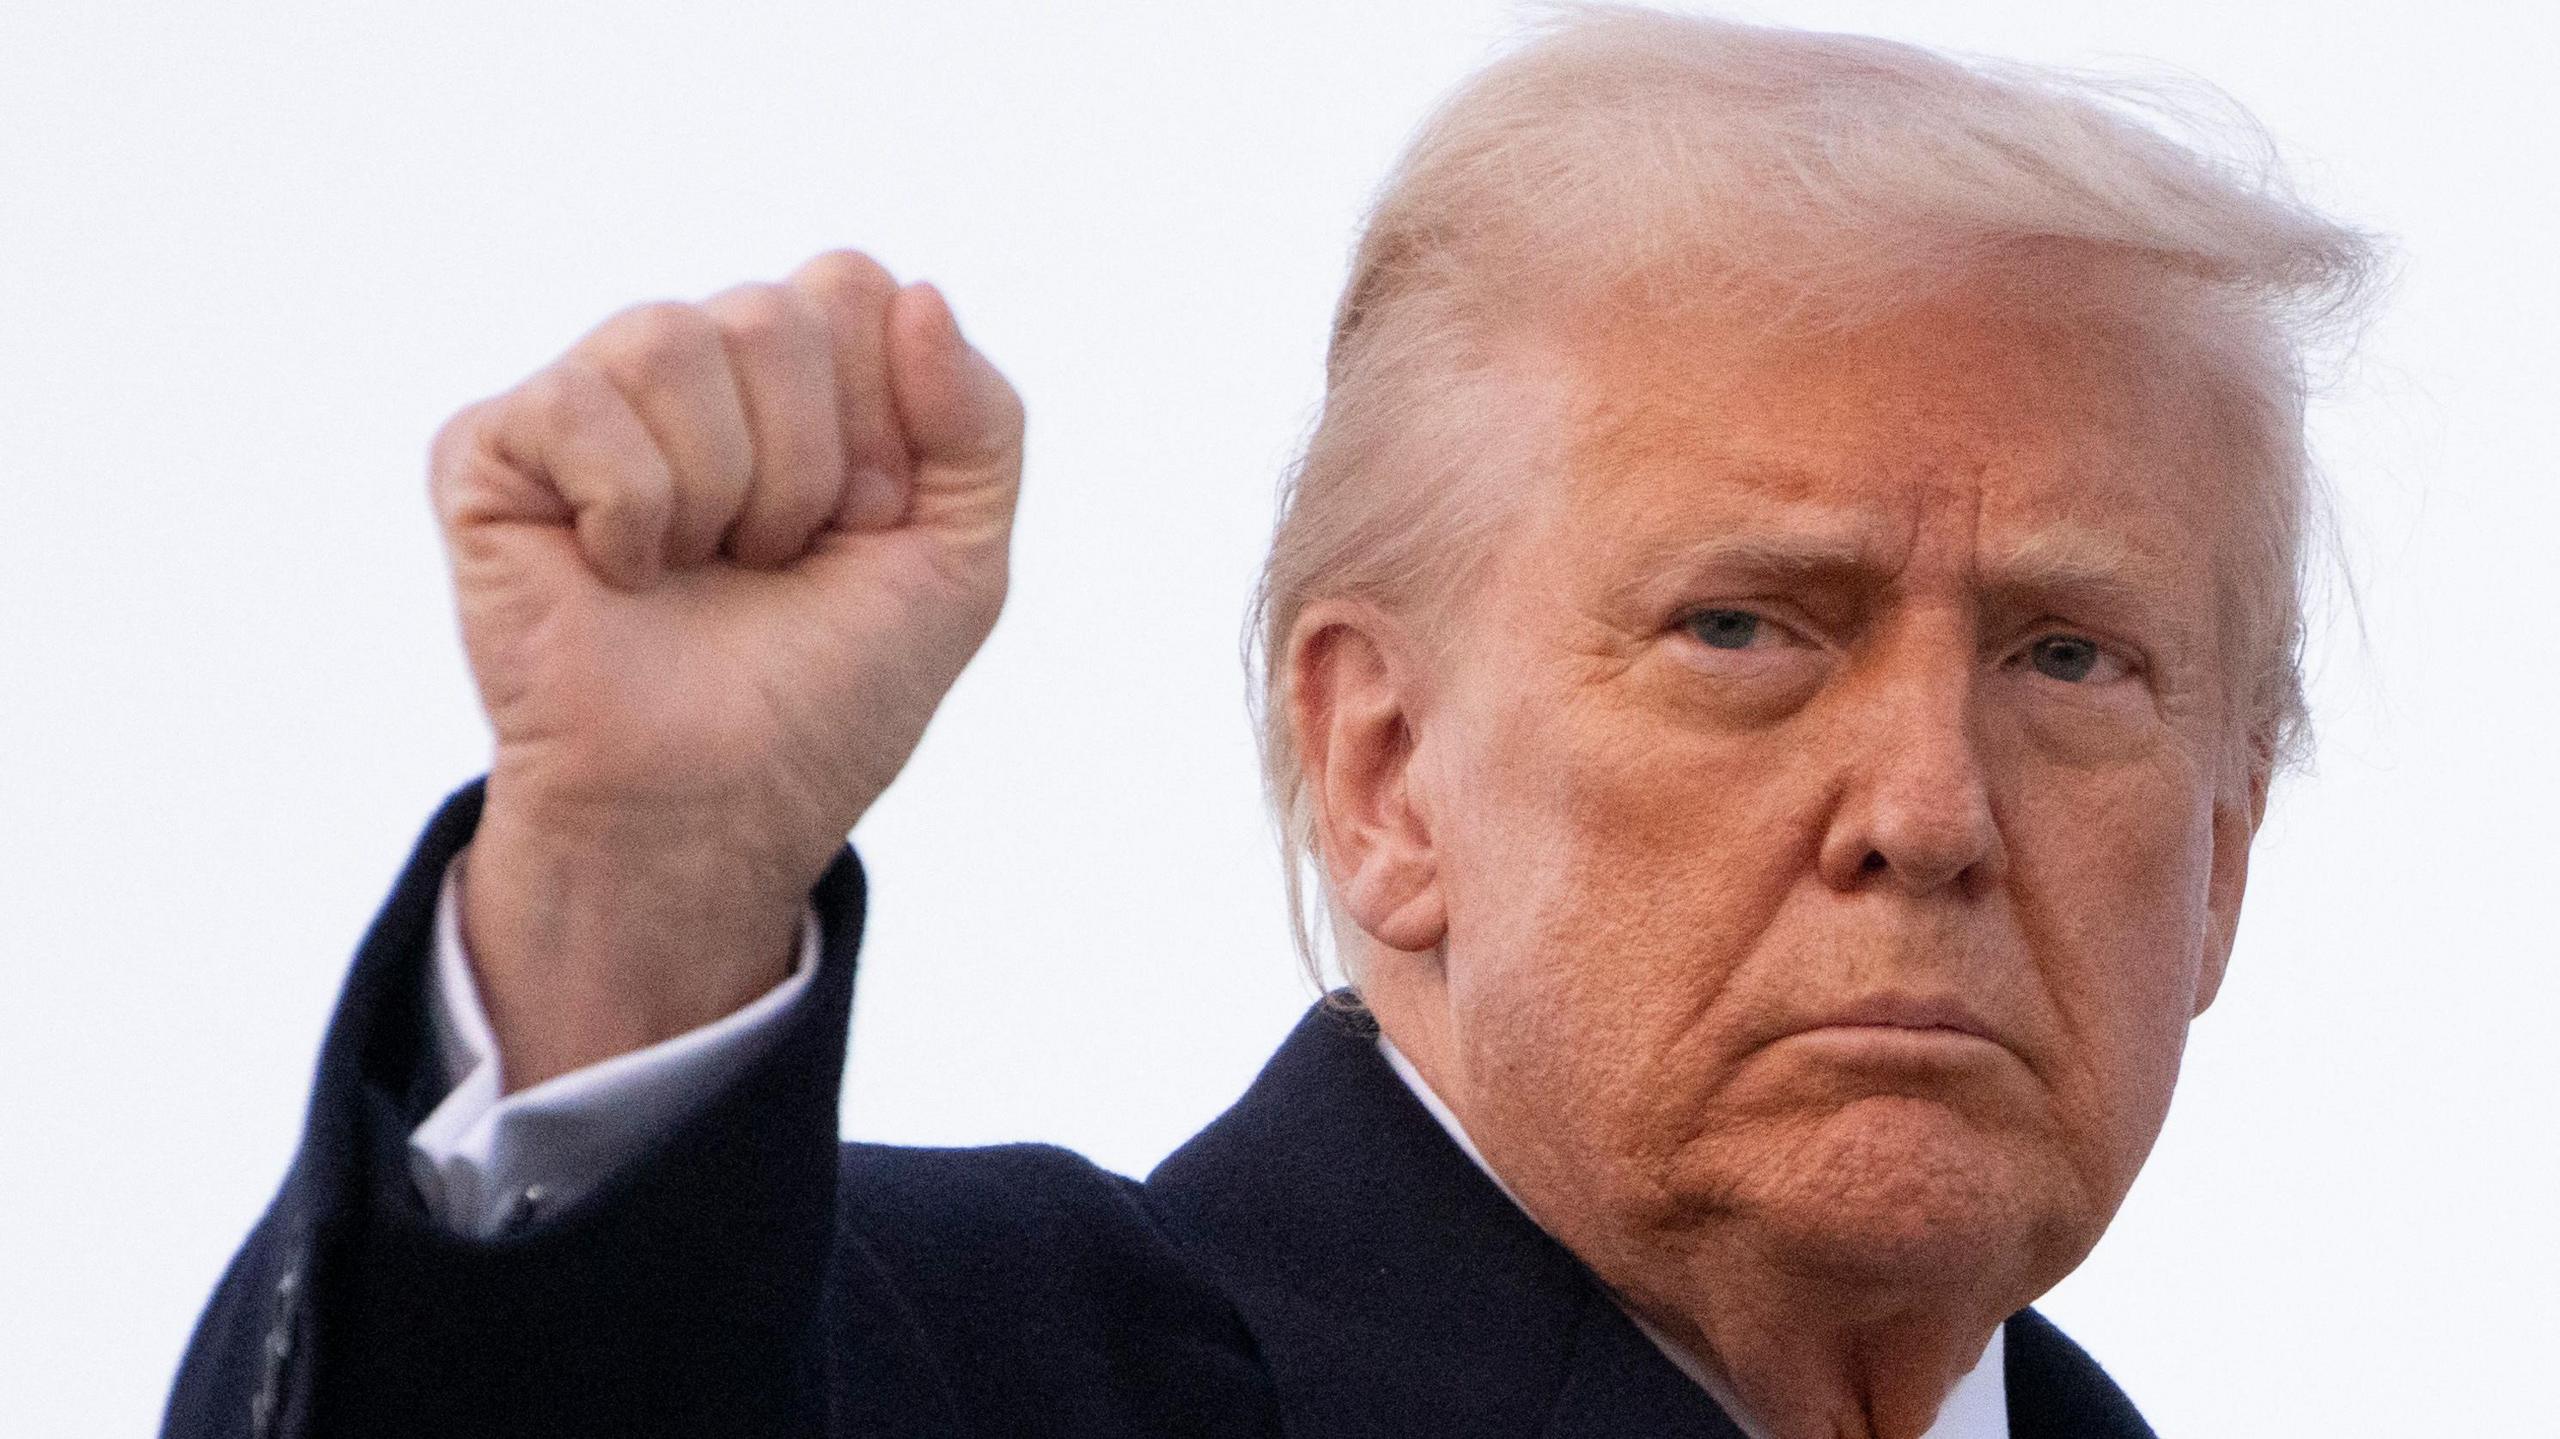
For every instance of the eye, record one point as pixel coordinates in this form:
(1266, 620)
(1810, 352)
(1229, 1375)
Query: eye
(1724, 629)
(2074, 659)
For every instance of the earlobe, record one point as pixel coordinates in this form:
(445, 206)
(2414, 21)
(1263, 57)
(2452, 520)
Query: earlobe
(1397, 905)
(1354, 702)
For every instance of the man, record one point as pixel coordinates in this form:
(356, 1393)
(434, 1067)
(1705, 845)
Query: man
(1775, 656)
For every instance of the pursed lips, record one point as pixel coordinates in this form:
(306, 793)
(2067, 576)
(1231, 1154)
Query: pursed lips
(1903, 1023)
(1895, 1011)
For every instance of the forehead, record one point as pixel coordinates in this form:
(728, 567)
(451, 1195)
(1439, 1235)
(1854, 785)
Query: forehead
(2045, 438)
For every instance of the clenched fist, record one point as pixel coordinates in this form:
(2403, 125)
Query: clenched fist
(716, 566)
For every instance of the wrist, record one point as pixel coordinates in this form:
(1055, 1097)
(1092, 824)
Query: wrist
(592, 936)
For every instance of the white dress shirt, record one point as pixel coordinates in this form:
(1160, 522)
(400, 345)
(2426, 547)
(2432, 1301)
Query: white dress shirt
(485, 1161)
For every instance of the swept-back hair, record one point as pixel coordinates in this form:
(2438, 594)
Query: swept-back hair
(1778, 181)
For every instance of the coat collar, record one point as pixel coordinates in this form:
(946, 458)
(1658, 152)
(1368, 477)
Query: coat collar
(1395, 1291)
(1393, 1288)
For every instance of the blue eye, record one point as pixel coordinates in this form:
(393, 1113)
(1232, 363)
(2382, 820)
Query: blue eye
(1725, 629)
(2068, 658)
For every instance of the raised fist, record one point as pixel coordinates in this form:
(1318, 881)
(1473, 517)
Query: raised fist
(716, 567)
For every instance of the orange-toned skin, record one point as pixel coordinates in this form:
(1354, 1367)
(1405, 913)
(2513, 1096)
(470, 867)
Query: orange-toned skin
(1620, 893)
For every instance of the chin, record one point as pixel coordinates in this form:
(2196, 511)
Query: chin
(1897, 1191)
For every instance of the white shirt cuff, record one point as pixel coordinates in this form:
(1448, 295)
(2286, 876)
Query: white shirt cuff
(486, 1161)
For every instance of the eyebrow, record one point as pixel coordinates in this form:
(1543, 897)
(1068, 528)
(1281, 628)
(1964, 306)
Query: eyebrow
(1839, 559)
(2052, 562)
(2064, 559)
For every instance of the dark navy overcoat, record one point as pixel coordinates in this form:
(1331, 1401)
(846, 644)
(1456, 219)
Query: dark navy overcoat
(1321, 1262)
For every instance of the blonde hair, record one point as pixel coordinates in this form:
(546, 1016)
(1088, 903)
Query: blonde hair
(1786, 181)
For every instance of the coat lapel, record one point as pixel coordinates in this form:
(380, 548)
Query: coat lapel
(1617, 1382)
(1396, 1292)
(2056, 1391)
(1393, 1289)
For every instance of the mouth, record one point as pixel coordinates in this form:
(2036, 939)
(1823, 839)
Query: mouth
(1901, 1047)
(1899, 1031)
(1913, 1014)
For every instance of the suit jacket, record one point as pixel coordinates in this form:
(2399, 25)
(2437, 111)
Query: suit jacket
(1322, 1261)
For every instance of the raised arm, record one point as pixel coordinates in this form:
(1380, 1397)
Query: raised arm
(716, 566)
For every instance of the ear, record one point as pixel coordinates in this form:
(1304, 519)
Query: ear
(1354, 695)
(2237, 812)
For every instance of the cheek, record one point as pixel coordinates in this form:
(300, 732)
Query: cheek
(2110, 885)
(1607, 875)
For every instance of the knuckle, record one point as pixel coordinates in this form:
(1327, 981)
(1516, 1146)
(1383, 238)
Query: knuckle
(567, 398)
(763, 319)
(455, 438)
(574, 406)
(850, 276)
(453, 454)
(659, 344)
(623, 507)
(631, 507)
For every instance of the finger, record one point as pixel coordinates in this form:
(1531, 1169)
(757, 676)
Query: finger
(669, 361)
(962, 419)
(563, 446)
(782, 362)
(854, 292)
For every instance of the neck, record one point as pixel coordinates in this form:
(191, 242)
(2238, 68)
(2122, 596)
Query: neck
(1790, 1366)
(1791, 1350)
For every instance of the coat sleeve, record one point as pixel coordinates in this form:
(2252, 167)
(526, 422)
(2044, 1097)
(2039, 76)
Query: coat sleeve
(697, 1292)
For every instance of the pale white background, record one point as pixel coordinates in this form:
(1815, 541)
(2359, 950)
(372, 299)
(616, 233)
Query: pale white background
(250, 254)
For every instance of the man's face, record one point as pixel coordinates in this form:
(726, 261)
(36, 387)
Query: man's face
(1828, 793)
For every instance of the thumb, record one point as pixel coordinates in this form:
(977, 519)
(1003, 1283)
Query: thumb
(963, 421)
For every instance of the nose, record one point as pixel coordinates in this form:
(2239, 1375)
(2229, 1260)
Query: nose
(1914, 810)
